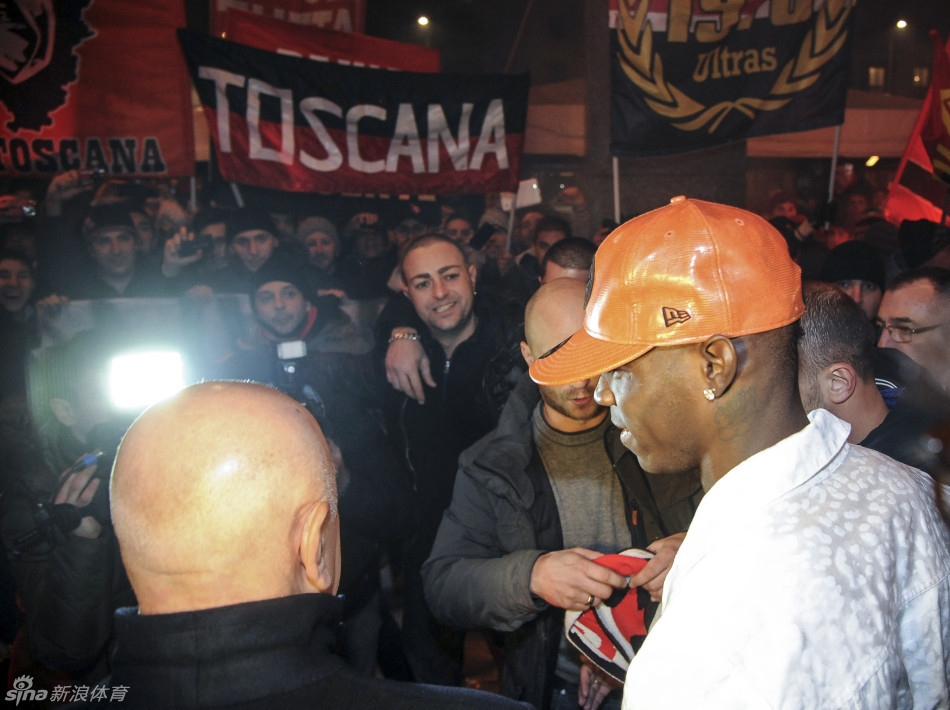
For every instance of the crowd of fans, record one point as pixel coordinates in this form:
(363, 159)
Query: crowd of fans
(408, 340)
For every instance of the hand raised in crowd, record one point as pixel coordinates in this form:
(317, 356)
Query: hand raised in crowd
(173, 261)
(63, 188)
(570, 579)
(594, 686)
(50, 306)
(8, 202)
(573, 197)
(654, 572)
(78, 488)
(407, 368)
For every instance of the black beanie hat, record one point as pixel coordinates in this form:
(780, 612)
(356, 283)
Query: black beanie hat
(280, 267)
(920, 240)
(853, 260)
(247, 221)
(115, 214)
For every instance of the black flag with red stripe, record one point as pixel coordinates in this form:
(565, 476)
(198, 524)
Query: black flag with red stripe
(298, 124)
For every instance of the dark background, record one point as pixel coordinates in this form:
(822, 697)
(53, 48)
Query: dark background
(559, 40)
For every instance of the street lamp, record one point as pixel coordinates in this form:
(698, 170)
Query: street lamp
(899, 25)
(423, 22)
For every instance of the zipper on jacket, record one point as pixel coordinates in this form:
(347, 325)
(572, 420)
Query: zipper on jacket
(405, 444)
(445, 379)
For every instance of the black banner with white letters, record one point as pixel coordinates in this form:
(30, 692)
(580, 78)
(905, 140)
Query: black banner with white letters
(295, 124)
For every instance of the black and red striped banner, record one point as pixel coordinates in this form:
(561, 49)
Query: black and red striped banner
(295, 124)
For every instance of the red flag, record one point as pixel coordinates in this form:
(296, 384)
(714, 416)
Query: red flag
(328, 45)
(339, 15)
(95, 84)
(936, 131)
(915, 193)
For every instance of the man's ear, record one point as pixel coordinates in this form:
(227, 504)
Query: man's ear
(64, 411)
(472, 273)
(720, 363)
(318, 548)
(837, 383)
(526, 353)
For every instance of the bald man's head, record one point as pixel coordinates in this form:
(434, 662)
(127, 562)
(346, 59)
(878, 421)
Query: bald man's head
(554, 313)
(225, 494)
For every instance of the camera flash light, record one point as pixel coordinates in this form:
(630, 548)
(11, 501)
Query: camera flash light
(139, 379)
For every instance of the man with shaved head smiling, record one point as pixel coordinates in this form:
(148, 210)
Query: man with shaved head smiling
(230, 536)
(466, 342)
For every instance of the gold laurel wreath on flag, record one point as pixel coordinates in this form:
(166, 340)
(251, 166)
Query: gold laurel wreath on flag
(645, 68)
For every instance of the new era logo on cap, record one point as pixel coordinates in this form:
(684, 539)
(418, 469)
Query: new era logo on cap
(672, 316)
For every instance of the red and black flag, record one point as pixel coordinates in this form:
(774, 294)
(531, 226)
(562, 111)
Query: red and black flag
(94, 84)
(687, 75)
(936, 131)
(295, 124)
(328, 45)
(336, 15)
(919, 190)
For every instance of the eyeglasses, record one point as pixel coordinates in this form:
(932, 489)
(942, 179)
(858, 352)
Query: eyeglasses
(903, 334)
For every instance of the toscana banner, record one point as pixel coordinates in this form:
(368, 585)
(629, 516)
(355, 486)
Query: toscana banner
(292, 123)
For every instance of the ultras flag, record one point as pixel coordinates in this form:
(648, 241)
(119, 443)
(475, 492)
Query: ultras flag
(688, 75)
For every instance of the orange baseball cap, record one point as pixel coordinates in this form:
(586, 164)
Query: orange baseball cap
(679, 274)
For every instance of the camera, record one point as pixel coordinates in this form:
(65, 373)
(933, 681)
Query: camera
(201, 243)
(91, 176)
(19, 209)
(291, 356)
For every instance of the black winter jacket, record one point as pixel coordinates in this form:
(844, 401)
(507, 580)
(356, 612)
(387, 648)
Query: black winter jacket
(270, 654)
(473, 386)
(503, 516)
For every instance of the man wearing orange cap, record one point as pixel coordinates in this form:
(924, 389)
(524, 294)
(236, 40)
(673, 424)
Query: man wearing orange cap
(815, 573)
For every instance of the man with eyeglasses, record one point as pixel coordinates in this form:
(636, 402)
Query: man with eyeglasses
(915, 318)
(838, 370)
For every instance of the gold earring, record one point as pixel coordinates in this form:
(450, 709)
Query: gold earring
(709, 393)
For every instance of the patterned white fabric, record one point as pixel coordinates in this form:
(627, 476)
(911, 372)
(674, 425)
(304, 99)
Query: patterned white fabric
(816, 574)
